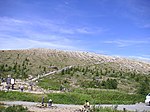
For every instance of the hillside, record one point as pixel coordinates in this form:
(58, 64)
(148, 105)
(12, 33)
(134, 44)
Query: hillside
(46, 58)
(89, 69)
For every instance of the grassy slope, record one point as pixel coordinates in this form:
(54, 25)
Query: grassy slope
(88, 77)
(37, 61)
(76, 97)
(87, 67)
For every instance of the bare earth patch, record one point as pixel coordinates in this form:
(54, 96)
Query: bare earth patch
(58, 109)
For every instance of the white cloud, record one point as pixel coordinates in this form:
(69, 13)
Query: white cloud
(146, 25)
(84, 30)
(43, 25)
(41, 33)
(66, 31)
(146, 55)
(142, 58)
(23, 43)
(12, 21)
(124, 43)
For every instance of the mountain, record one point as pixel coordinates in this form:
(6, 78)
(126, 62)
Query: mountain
(88, 69)
(41, 58)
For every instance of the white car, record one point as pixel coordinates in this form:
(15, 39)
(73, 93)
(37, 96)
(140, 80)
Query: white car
(147, 101)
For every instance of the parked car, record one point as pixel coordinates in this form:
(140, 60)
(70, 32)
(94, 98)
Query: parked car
(147, 101)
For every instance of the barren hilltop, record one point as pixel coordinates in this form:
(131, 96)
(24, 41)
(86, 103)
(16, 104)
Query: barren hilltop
(60, 58)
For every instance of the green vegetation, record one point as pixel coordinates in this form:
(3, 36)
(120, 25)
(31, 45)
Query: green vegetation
(111, 96)
(106, 109)
(94, 76)
(49, 84)
(77, 96)
(99, 79)
(69, 98)
(21, 63)
(85, 73)
(17, 108)
(13, 96)
(144, 87)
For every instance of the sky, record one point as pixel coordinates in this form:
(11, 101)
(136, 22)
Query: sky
(111, 27)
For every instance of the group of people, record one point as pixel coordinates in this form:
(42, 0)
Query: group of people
(50, 101)
(30, 87)
(87, 104)
(8, 83)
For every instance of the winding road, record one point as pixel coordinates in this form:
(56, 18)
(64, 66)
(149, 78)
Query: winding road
(140, 107)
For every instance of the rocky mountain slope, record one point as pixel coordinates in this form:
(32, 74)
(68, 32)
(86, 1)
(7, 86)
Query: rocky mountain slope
(38, 58)
(87, 69)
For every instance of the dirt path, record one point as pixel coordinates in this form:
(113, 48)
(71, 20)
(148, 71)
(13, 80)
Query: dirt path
(140, 107)
(56, 107)
(44, 75)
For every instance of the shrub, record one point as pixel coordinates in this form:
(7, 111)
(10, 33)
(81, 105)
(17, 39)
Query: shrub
(104, 109)
(14, 108)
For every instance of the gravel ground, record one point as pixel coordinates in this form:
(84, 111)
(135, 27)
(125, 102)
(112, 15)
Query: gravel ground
(56, 107)
(140, 107)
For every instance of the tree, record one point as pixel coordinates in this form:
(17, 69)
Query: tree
(44, 69)
(143, 87)
(114, 83)
(110, 84)
(97, 73)
(63, 72)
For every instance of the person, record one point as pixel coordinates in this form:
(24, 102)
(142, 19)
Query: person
(62, 88)
(21, 88)
(2, 80)
(43, 101)
(8, 87)
(50, 102)
(31, 86)
(12, 83)
(2, 83)
(87, 104)
(8, 82)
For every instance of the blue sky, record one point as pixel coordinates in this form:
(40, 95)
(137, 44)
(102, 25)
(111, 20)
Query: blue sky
(112, 27)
